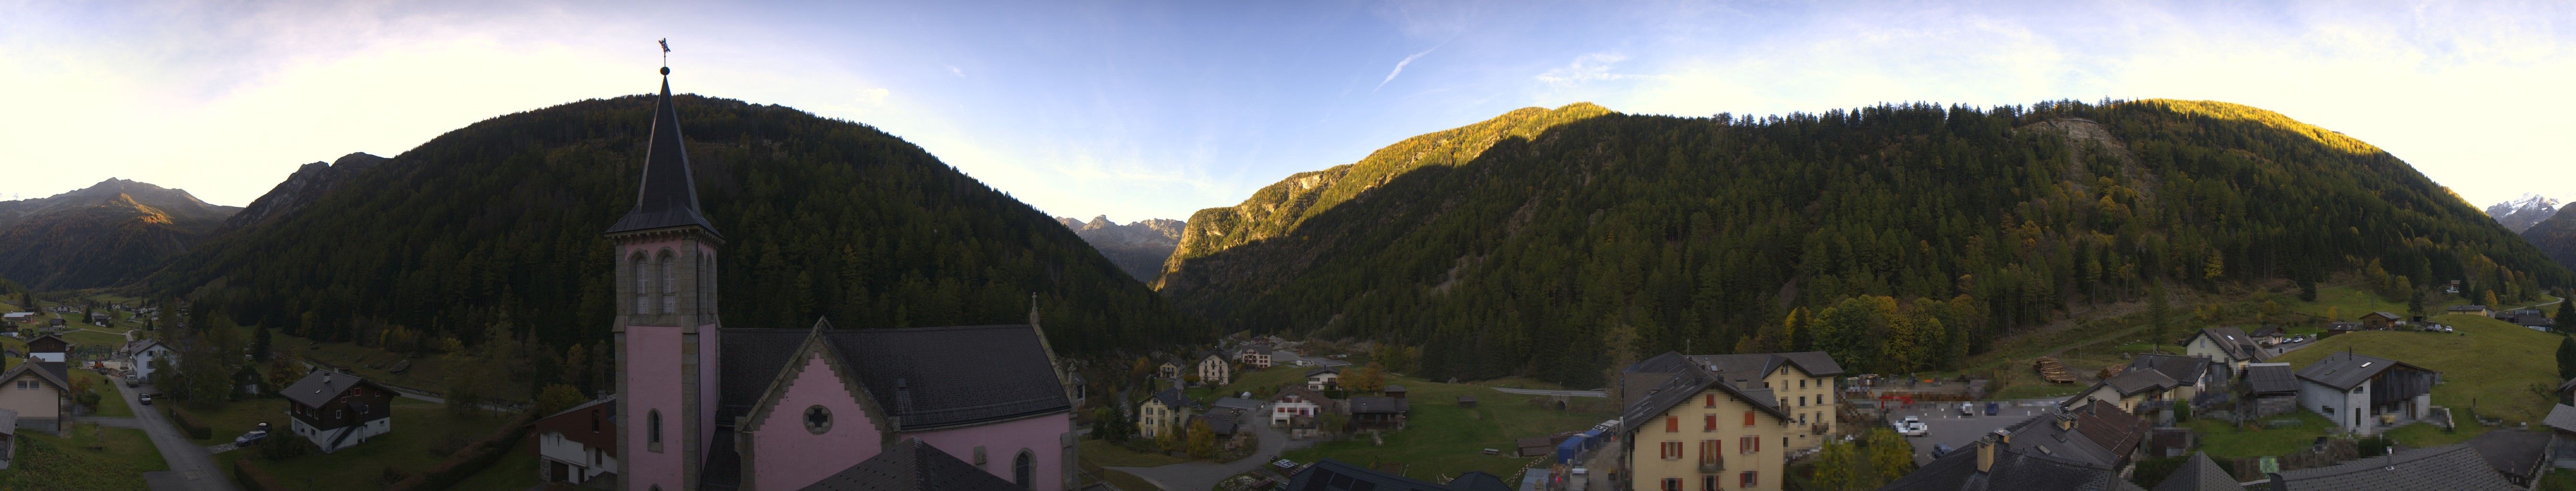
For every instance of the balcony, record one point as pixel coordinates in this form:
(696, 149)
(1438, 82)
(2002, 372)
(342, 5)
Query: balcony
(1819, 429)
(1712, 466)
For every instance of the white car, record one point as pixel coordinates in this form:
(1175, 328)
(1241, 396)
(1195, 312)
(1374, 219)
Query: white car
(1912, 426)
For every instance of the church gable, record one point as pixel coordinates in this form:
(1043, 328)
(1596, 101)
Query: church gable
(816, 351)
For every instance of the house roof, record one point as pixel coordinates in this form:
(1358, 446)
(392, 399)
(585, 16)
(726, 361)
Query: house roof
(2184, 370)
(927, 377)
(1374, 404)
(668, 195)
(31, 343)
(1683, 386)
(55, 374)
(137, 346)
(2385, 315)
(2268, 331)
(2138, 381)
(2562, 418)
(2233, 342)
(2512, 452)
(2199, 474)
(1303, 393)
(2018, 466)
(1171, 398)
(2449, 467)
(2344, 370)
(1669, 362)
(2271, 377)
(318, 387)
(1335, 475)
(2465, 308)
(1238, 403)
(1335, 370)
(612, 408)
(1392, 389)
(912, 466)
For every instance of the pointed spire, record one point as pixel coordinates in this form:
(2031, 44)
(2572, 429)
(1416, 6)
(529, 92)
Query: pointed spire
(668, 196)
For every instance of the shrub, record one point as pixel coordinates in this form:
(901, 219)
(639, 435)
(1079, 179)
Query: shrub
(448, 445)
(286, 446)
(188, 423)
(253, 478)
(473, 458)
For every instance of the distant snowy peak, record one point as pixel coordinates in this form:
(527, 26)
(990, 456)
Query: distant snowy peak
(2521, 213)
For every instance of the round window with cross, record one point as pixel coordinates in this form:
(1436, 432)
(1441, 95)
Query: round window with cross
(818, 419)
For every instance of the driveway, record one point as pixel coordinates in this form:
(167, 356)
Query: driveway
(192, 468)
(1200, 474)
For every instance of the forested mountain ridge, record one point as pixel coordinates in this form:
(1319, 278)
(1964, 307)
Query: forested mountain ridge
(2555, 237)
(1899, 237)
(501, 221)
(101, 235)
(1139, 247)
(301, 188)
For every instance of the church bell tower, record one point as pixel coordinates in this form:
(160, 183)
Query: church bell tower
(666, 330)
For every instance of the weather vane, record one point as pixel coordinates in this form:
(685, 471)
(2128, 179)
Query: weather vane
(666, 56)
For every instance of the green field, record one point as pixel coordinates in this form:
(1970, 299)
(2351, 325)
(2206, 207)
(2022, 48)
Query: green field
(92, 458)
(1110, 454)
(516, 470)
(110, 402)
(2499, 369)
(2222, 439)
(419, 428)
(1443, 439)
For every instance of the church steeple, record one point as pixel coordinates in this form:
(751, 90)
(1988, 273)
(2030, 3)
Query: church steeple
(668, 196)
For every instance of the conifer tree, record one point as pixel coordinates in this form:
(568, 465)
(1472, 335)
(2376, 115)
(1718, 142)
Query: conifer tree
(2566, 316)
(2566, 357)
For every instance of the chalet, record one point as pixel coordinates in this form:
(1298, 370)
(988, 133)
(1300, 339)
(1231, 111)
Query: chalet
(1214, 371)
(2192, 375)
(2364, 394)
(1729, 424)
(1324, 378)
(2226, 345)
(1393, 390)
(1802, 384)
(1163, 413)
(18, 317)
(39, 392)
(2562, 426)
(2528, 318)
(2272, 388)
(1256, 358)
(2479, 310)
(2520, 456)
(1377, 413)
(2087, 449)
(1232, 426)
(2448, 468)
(1297, 401)
(99, 318)
(2135, 391)
(1169, 371)
(2269, 335)
(578, 445)
(48, 348)
(337, 410)
(2380, 321)
(1335, 475)
(143, 355)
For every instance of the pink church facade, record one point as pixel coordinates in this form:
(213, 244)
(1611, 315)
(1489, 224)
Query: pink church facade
(706, 407)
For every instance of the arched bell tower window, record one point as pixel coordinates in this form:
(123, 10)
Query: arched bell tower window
(670, 295)
(643, 282)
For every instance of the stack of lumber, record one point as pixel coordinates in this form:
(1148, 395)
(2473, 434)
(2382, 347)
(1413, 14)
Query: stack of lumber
(2111, 371)
(2050, 369)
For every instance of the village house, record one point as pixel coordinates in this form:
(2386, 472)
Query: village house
(2136, 391)
(2561, 423)
(337, 411)
(1295, 402)
(39, 392)
(578, 445)
(2226, 345)
(2269, 335)
(15, 318)
(2365, 394)
(1256, 357)
(1803, 383)
(1707, 432)
(2192, 375)
(2478, 310)
(48, 348)
(2270, 388)
(1163, 413)
(2381, 321)
(702, 406)
(99, 318)
(142, 354)
(2520, 456)
(1230, 426)
(1169, 371)
(1324, 378)
(1214, 371)
(1377, 413)
(2087, 449)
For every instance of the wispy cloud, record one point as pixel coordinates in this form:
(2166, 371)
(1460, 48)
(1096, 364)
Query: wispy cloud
(1399, 68)
(1591, 67)
(953, 69)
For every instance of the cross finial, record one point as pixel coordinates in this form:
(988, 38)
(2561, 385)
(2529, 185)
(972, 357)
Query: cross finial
(666, 55)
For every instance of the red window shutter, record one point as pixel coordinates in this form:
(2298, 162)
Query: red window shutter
(1708, 400)
(1711, 421)
(1672, 424)
(1748, 419)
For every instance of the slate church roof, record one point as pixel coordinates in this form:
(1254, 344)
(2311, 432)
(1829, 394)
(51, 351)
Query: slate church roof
(669, 196)
(929, 377)
(912, 466)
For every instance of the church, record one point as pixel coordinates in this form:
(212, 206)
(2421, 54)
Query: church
(707, 407)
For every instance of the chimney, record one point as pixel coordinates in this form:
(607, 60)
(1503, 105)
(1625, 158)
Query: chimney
(2066, 421)
(1986, 449)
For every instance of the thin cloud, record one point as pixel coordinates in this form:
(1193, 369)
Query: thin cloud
(1399, 68)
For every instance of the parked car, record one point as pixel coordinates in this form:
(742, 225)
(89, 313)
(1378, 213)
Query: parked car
(133, 381)
(1940, 449)
(145, 398)
(1912, 426)
(251, 437)
(1967, 409)
(1993, 409)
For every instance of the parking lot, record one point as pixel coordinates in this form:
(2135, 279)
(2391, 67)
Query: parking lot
(1948, 427)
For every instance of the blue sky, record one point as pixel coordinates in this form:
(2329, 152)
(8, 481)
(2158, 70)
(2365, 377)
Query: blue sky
(1156, 109)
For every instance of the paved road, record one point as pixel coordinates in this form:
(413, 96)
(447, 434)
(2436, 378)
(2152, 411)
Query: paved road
(1948, 427)
(1200, 474)
(192, 468)
(1569, 393)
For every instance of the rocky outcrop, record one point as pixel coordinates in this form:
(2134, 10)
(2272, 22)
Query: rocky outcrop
(306, 185)
(2520, 214)
(1138, 248)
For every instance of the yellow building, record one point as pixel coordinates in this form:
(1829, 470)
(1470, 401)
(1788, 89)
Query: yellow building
(1702, 431)
(1801, 385)
(1162, 413)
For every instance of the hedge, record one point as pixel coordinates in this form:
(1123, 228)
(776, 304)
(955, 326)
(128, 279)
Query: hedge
(251, 477)
(474, 458)
(188, 423)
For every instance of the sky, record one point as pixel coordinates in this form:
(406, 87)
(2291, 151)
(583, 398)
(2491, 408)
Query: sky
(1141, 110)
